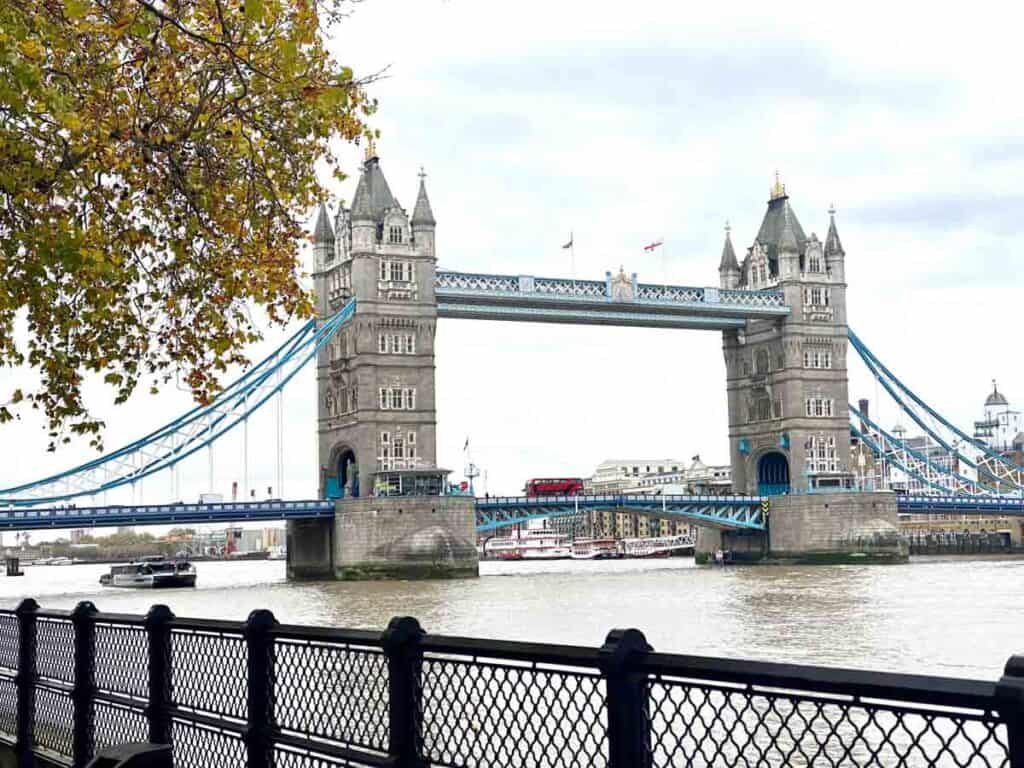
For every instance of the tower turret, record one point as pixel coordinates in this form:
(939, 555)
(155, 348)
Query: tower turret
(364, 228)
(729, 267)
(835, 256)
(323, 239)
(789, 247)
(423, 222)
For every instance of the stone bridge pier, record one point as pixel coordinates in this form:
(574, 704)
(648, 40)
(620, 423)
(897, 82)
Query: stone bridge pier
(406, 537)
(824, 528)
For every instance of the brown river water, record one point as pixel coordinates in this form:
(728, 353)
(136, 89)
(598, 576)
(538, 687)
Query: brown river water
(955, 617)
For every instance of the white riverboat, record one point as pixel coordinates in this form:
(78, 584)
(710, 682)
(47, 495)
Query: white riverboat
(151, 573)
(601, 548)
(530, 545)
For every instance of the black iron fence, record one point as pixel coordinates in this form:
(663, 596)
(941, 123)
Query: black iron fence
(257, 694)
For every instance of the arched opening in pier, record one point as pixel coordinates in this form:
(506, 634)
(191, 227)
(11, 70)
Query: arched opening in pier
(772, 474)
(344, 482)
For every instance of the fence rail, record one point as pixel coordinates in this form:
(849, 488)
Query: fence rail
(257, 694)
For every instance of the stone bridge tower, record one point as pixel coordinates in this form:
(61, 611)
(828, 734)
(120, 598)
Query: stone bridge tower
(786, 377)
(376, 423)
(375, 379)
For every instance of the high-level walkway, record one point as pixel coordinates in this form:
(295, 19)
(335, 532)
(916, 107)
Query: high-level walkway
(618, 300)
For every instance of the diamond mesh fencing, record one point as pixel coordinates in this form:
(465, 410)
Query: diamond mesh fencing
(331, 692)
(290, 758)
(201, 746)
(122, 659)
(478, 715)
(54, 720)
(9, 634)
(8, 708)
(697, 725)
(55, 649)
(208, 671)
(116, 724)
(327, 699)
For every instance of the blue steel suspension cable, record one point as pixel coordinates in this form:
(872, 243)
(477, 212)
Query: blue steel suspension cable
(905, 446)
(230, 393)
(297, 343)
(873, 365)
(865, 353)
(877, 450)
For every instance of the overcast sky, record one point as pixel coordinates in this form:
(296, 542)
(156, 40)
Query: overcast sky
(628, 122)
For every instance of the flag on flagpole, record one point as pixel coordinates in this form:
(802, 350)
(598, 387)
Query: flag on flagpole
(569, 244)
(466, 446)
(652, 246)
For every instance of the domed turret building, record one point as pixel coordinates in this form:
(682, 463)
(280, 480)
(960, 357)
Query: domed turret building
(1001, 427)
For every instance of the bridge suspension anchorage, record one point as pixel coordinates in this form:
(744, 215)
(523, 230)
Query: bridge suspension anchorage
(180, 438)
(995, 473)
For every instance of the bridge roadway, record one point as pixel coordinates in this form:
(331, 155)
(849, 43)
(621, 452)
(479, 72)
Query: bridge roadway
(724, 512)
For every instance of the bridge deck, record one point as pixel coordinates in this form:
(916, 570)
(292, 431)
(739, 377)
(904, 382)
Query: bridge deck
(727, 512)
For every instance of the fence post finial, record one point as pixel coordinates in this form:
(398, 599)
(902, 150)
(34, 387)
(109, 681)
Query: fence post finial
(1010, 703)
(158, 707)
(629, 736)
(25, 681)
(259, 644)
(401, 643)
(84, 686)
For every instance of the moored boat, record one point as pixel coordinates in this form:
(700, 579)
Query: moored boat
(530, 545)
(150, 573)
(595, 549)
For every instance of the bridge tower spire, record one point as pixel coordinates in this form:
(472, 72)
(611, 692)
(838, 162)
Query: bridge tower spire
(729, 267)
(786, 377)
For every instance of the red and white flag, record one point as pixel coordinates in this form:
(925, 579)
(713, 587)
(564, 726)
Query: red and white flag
(652, 246)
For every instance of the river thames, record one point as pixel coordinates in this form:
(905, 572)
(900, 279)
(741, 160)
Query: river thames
(955, 617)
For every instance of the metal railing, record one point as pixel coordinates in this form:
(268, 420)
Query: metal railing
(257, 694)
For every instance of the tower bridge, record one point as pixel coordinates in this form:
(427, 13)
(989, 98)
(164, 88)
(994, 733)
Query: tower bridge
(381, 509)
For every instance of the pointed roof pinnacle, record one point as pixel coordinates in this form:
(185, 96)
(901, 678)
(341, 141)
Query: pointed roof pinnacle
(422, 213)
(729, 261)
(323, 233)
(833, 246)
(788, 242)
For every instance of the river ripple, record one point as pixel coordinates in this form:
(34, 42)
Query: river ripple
(955, 617)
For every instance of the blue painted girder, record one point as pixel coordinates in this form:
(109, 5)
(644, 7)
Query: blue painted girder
(725, 512)
(30, 519)
(969, 505)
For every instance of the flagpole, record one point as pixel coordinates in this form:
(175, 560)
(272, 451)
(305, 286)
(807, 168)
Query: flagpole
(664, 265)
(572, 259)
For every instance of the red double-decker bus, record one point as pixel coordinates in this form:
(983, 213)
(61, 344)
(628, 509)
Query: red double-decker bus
(559, 486)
